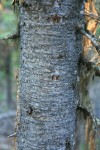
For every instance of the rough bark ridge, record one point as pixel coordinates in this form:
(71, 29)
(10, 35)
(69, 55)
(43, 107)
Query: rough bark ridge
(48, 78)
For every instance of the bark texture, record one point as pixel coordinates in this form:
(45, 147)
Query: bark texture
(48, 79)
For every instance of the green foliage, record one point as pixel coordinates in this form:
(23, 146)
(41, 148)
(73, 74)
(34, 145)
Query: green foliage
(6, 3)
(8, 25)
(2, 75)
(8, 20)
(1, 97)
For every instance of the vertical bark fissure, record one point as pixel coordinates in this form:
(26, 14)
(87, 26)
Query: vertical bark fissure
(48, 85)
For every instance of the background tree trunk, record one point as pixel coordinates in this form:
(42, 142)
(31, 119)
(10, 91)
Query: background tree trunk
(8, 80)
(48, 79)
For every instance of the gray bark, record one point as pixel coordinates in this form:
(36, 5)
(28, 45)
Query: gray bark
(48, 78)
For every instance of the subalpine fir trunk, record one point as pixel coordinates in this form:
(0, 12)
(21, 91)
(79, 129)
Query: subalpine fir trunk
(48, 80)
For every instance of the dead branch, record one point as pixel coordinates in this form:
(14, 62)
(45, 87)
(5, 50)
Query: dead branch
(12, 135)
(94, 61)
(91, 37)
(11, 36)
(88, 113)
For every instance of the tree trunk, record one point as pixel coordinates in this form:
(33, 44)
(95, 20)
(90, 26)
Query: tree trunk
(48, 79)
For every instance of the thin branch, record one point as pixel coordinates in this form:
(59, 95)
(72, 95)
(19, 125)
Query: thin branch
(84, 110)
(88, 113)
(91, 37)
(91, 63)
(11, 36)
(12, 135)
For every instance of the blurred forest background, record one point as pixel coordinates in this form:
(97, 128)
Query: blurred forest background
(9, 65)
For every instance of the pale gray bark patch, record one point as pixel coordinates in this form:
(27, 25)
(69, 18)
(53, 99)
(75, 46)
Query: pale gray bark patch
(48, 85)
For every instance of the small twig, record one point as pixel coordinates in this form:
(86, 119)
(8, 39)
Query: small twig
(85, 110)
(12, 135)
(91, 37)
(91, 63)
(88, 113)
(94, 41)
(11, 36)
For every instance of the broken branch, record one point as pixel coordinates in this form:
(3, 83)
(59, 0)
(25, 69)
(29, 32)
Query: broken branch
(88, 113)
(11, 36)
(91, 37)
